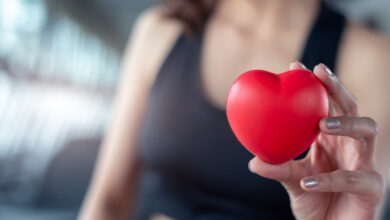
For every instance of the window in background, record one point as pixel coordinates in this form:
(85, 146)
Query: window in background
(56, 85)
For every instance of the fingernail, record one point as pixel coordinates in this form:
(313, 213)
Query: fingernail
(330, 73)
(310, 182)
(332, 123)
(303, 66)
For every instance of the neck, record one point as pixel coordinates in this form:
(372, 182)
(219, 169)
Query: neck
(269, 14)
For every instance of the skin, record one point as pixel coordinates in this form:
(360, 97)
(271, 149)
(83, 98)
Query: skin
(339, 170)
(262, 34)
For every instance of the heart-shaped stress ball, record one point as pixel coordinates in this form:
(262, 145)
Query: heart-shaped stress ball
(276, 116)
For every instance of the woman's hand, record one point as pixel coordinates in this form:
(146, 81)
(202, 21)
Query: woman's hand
(337, 179)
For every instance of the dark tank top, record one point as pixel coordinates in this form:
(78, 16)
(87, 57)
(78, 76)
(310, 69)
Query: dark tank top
(193, 167)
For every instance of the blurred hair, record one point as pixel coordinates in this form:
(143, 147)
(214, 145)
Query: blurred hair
(192, 13)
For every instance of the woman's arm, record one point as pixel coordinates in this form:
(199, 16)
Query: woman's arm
(111, 190)
(365, 69)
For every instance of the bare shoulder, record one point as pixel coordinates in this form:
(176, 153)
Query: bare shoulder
(154, 21)
(364, 66)
(151, 40)
(365, 53)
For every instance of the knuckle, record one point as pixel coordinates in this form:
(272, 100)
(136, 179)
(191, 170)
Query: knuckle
(351, 178)
(349, 124)
(373, 125)
(380, 186)
(329, 179)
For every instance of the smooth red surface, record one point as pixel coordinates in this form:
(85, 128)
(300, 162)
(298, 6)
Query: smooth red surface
(276, 116)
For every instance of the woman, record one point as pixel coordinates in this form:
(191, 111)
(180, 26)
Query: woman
(170, 153)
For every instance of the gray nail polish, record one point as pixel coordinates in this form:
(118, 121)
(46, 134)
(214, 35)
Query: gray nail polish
(330, 73)
(303, 66)
(310, 182)
(332, 123)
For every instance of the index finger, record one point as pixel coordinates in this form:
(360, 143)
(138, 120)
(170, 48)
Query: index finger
(296, 65)
(288, 173)
(338, 92)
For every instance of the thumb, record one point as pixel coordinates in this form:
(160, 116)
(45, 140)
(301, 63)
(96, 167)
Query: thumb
(288, 174)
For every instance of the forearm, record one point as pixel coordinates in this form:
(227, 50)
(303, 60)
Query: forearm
(110, 202)
(105, 209)
(111, 195)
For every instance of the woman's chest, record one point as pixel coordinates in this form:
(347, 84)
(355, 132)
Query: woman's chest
(223, 58)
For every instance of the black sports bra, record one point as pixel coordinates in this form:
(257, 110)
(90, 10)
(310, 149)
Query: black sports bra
(192, 165)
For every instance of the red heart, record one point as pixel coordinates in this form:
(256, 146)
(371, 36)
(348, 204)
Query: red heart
(276, 116)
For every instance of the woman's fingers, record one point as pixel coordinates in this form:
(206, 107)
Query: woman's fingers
(282, 172)
(359, 128)
(344, 101)
(338, 92)
(286, 172)
(296, 65)
(362, 129)
(368, 183)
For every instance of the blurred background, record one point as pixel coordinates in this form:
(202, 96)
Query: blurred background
(59, 62)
